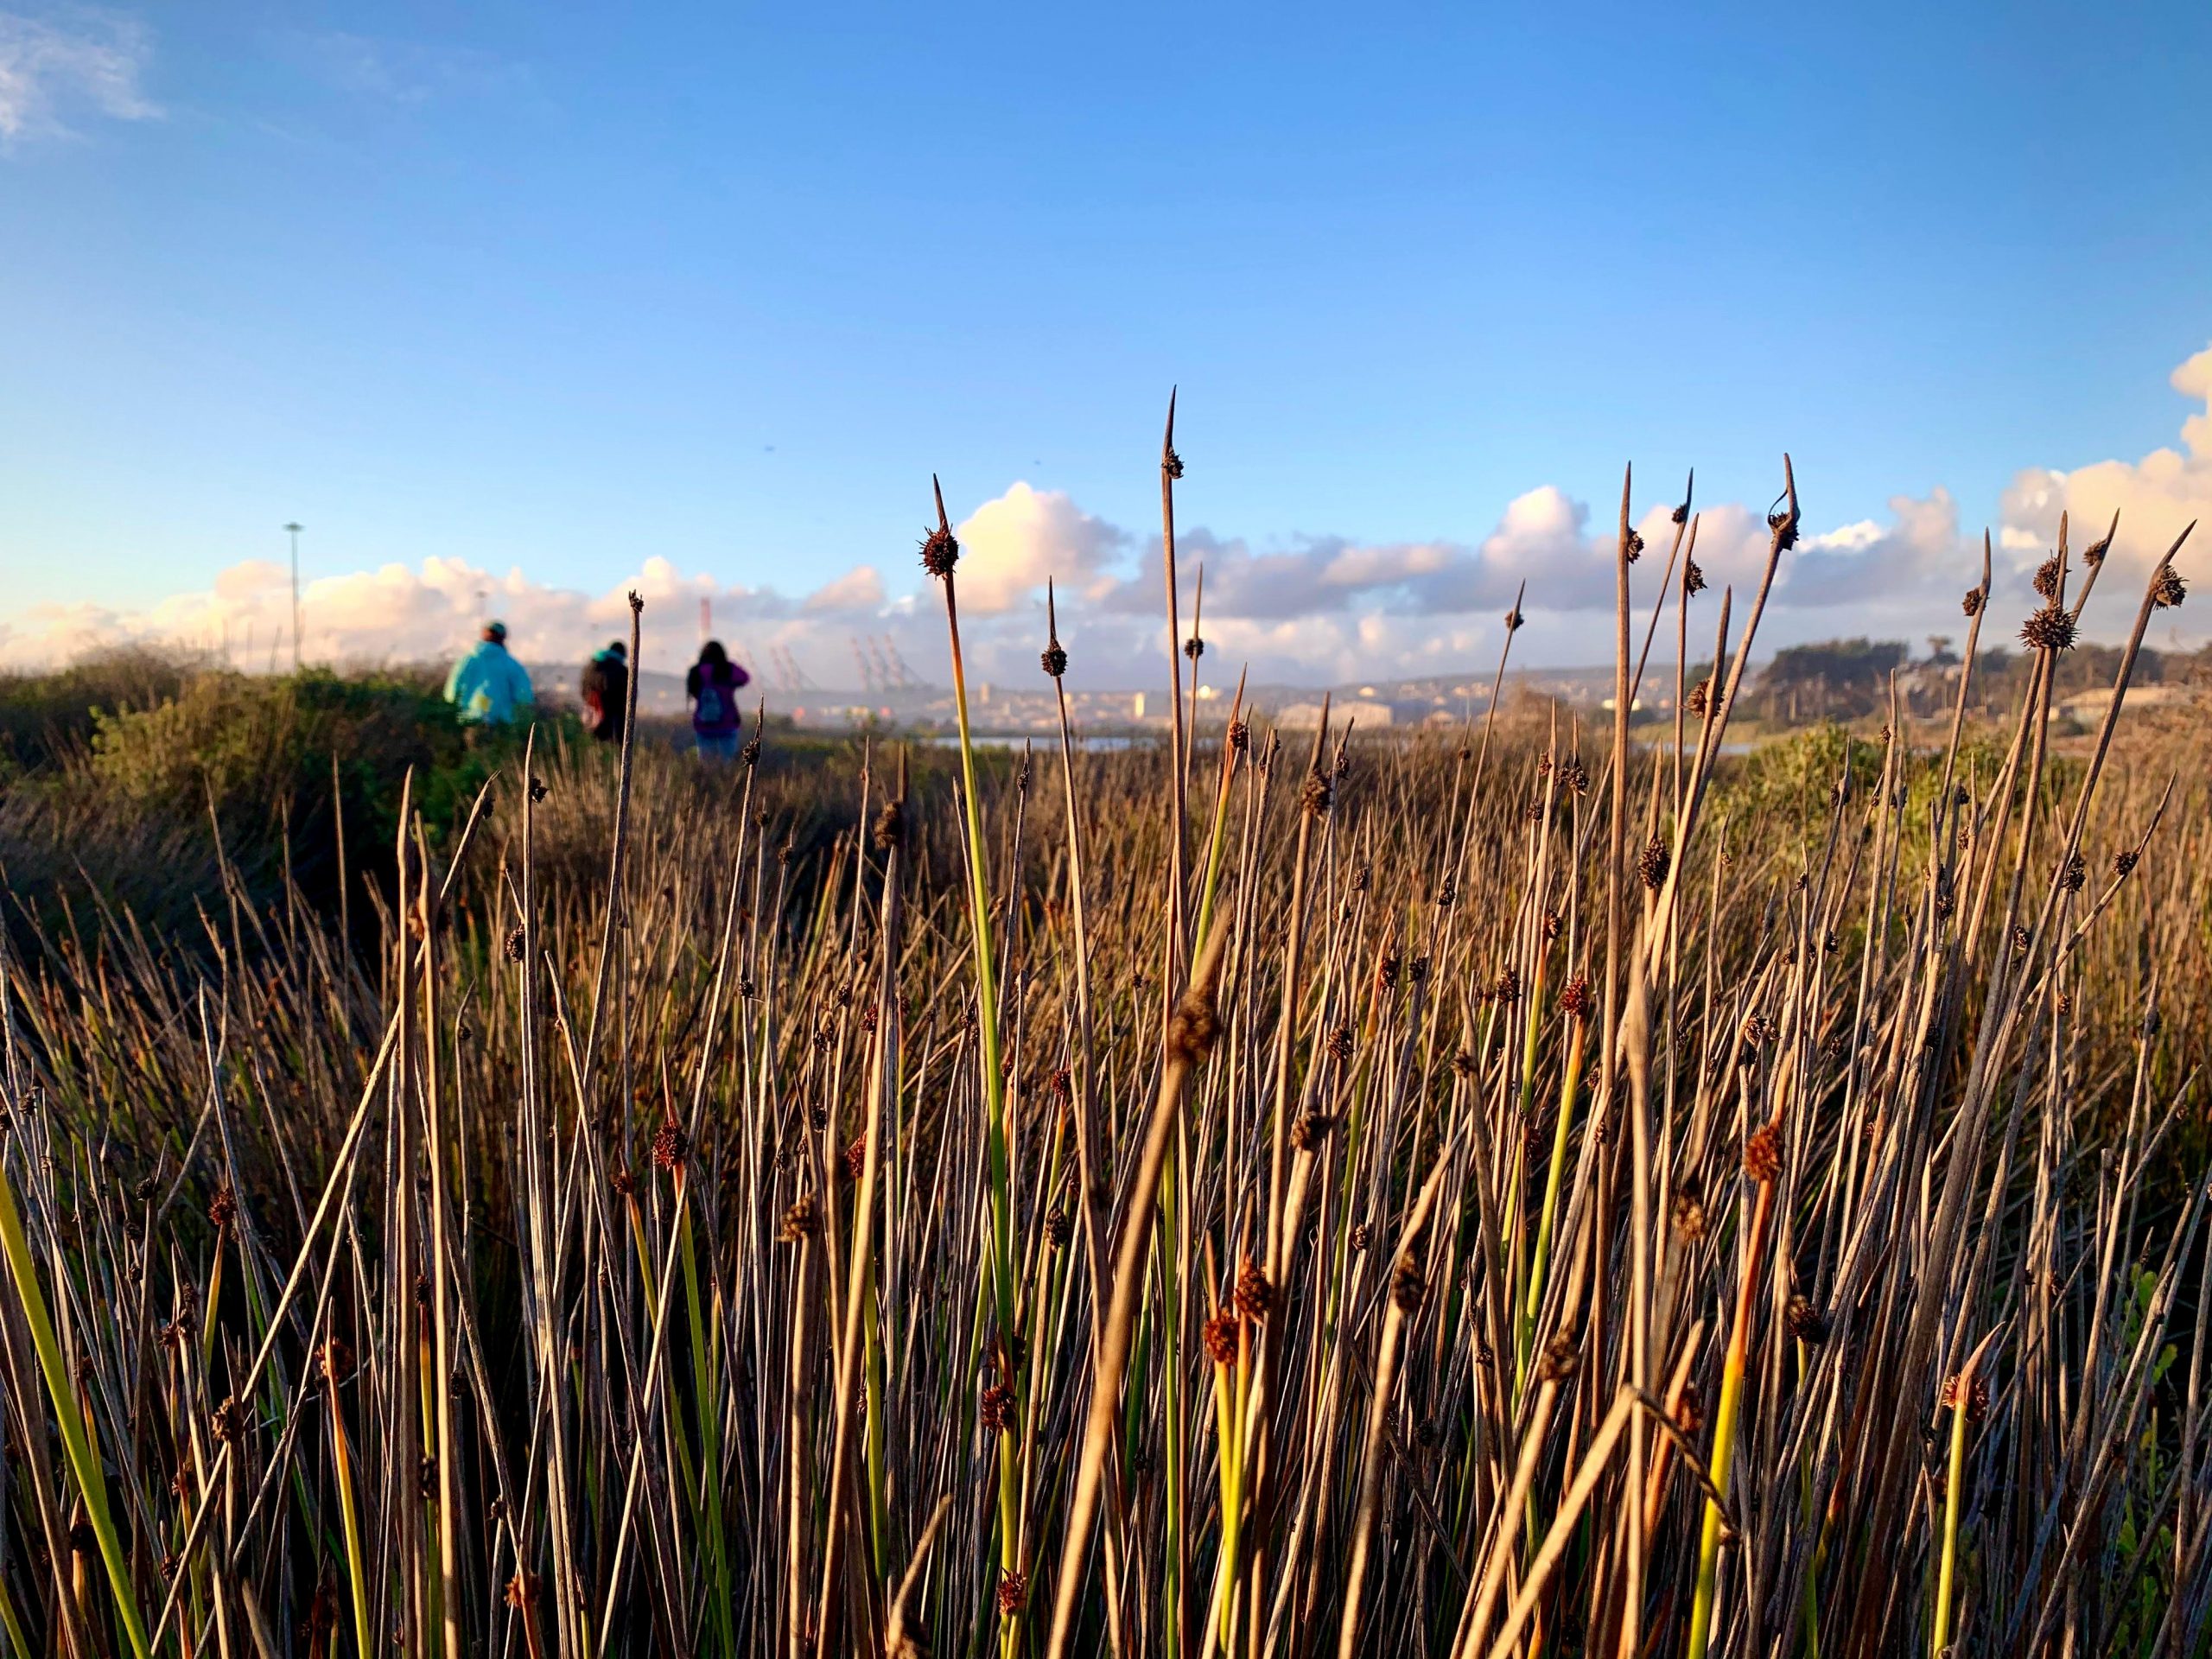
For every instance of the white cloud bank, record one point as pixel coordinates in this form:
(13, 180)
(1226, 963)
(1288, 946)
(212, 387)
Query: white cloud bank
(1319, 608)
(53, 73)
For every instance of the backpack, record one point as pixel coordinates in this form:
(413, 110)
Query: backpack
(594, 710)
(710, 703)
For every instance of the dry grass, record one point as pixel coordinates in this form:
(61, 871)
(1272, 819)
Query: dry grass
(1492, 1199)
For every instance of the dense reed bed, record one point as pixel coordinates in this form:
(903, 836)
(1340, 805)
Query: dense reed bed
(1276, 1193)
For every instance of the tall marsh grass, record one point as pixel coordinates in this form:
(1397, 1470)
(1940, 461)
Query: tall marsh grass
(1479, 1194)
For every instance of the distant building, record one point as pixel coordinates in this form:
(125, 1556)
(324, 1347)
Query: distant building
(2088, 707)
(1304, 716)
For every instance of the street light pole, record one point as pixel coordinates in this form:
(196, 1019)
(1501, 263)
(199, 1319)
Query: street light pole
(293, 531)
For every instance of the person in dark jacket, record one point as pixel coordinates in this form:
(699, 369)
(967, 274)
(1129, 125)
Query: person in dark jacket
(607, 692)
(712, 686)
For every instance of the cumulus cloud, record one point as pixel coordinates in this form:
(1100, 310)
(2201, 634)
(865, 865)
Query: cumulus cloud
(1010, 545)
(2156, 497)
(400, 613)
(1311, 608)
(54, 72)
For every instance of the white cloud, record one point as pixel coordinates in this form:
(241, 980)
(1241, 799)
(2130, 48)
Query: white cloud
(404, 73)
(1010, 545)
(52, 71)
(2155, 497)
(1315, 608)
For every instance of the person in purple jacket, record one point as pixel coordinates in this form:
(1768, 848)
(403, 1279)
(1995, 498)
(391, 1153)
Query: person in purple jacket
(712, 686)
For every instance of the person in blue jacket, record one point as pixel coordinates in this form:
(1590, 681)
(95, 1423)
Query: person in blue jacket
(488, 685)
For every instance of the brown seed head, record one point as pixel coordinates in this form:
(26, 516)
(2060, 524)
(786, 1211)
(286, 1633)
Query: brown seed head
(1653, 863)
(1560, 1361)
(802, 1221)
(1256, 1297)
(223, 1209)
(1806, 1322)
(521, 1592)
(2169, 590)
(1054, 660)
(1059, 1227)
(1763, 1153)
(856, 1157)
(1689, 1410)
(2047, 577)
(1315, 797)
(2075, 873)
(2050, 629)
(939, 552)
(1576, 1000)
(1700, 694)
(995, 1409)
(1194, 648)
(1973, 1397)
(230, 1419)
(1632, 547)
(1513, 620)
(1192, 1032)
(1311, 1129)
(1340, 1044)
(1408, 1288)
(890, 825)
(671, 1145)
(1014, 1592)
(2122, 862)
(1220, 1335)
(1361, 1235)
(517, 944)
(1971, 603)
(1506, 988)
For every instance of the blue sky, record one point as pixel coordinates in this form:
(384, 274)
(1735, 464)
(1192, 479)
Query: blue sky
(559, 290)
